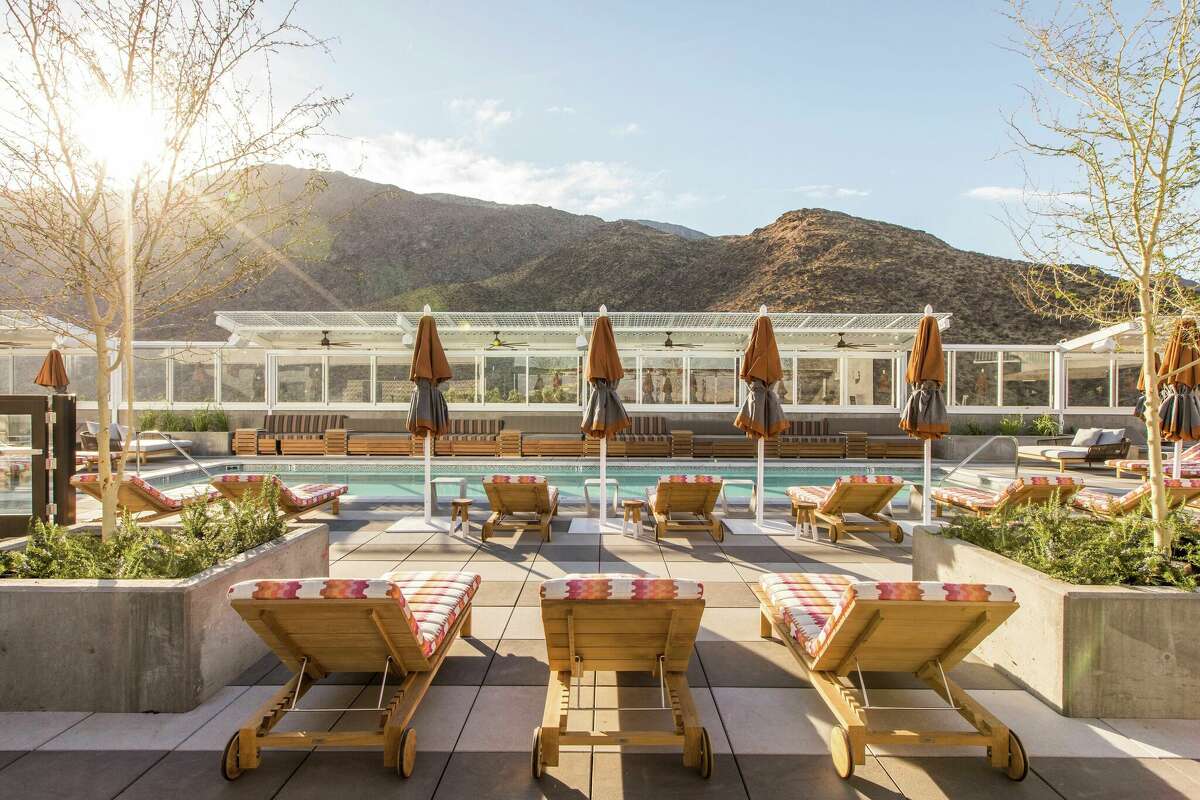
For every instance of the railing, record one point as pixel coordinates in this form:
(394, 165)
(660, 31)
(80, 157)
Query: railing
(180, 450)
(1016, 463)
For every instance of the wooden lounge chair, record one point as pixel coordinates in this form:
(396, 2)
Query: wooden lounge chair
(835, 626)
(865, 495)
(1062, 451)
(136, 496)
(401, 625)
(1020, 492)
(1189, 461)
(686, 503)
(293, 500)
(1180, 492)
(621, 623)
(518, 502)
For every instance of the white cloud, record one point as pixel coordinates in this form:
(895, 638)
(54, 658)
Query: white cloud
(825, 191)
(486, 113)
(560, 110)
(1016, 194)
(628, 129)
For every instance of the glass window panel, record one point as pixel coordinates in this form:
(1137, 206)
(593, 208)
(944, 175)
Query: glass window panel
(349, 379)
(243, 376)
(869, 381)
(25, 369)
(1088, 380)
(150, 376)
(16, 488)
(391, 379)
(81, 369)
(818, 382)
(1127, 378)
(555, 379)
(785, 386)
(975, 377)
(662, 380)
(504, 379)
(628, 386)
(298, 379)
(1026, 379)
(6, 374)
(194, 377)
(713, 381)
(461, 387)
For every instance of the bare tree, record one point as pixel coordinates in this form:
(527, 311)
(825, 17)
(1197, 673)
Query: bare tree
(136, 144)
(1117, 110)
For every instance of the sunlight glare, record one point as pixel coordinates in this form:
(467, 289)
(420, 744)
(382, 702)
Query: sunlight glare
(124, 135)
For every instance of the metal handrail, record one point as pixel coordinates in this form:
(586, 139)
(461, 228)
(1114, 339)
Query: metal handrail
(978, 450)
(181, 451)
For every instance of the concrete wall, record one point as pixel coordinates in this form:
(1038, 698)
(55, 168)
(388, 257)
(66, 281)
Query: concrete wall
(1087, 651)
(145, 645)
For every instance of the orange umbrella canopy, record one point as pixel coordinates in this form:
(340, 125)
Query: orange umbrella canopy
(759, 417)
(605, 415)
(53, 374)
(429, 359)
(428, 414)
(1179, 413)
(603, 361)
(1141, 384)
(924, 416)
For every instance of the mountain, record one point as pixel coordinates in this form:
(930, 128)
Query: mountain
(381, 247)
(682, 231)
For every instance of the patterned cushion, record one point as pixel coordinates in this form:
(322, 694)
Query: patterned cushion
(515, 479)
(820, 494)
(809, 494)
(1104, 503)
(429, 601)
(1189, 467)
(690, 479)
(983, 500)
(172, 498)
(305, 495)
(814, 604)
(616, 586)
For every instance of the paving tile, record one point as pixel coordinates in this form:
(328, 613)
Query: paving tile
(761, 663)
(508, 775)
(545, 570)
(692, 551)
(755, 555)
(499, 570)
(695, 676)
(611, 698)
(503, 719)
(374, 551)
(353, 774)
(568, 552)
(656, 568)
(438, 721)
(9, 756)
(531, 594)
(728, 594)
(421, 565)
(752, 571)
(78, 775)
(774, 721)
(28, 730)
(141, 731)
(700, 571)
(661, 776)
(466, 663)
(525, 623)
(214, 734)
(487, 622)
(444, 551)
(767, 775)
(194, 773)
(971, 674)
(361, 570)
(1119, 778)
(497, 593)
(256, 671)
(519, 662)
(729, 624)
(320, 697)
(1164, 738)
(940, 778)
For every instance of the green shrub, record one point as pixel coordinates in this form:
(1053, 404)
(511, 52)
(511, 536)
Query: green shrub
(1011, 426)
(208, 534)
(209, 419)
(1046, 425)
(1088, 550)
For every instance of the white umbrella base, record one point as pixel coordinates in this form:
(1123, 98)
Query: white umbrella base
(416, 524)
(592, 525)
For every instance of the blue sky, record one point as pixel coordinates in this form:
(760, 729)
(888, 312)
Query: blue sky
(719, 116)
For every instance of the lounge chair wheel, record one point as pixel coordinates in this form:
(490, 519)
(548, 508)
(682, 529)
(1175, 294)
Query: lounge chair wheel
(536, 759)
(1018, 762)
(231, 768)
(839, 748)
(706, 754)
(897, 536)
(406, 753)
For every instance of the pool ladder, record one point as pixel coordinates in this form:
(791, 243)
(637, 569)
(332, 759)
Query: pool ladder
(1016, 461)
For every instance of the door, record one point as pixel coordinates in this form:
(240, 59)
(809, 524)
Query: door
(24, 481)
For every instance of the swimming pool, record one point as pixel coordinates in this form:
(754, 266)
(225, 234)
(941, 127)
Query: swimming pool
(403, 481)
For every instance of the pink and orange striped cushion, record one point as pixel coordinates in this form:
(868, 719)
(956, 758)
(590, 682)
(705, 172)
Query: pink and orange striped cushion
(305, 495)
(619, 586)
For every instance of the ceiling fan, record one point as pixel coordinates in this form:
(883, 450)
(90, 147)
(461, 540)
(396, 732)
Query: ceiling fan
(6, 343)
(501, 344)
(670, 345)
(328, 344)
(842, 344)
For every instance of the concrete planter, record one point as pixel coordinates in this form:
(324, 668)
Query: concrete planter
(206, 443)
(956, 447)
(1087, 651)
(139, 645)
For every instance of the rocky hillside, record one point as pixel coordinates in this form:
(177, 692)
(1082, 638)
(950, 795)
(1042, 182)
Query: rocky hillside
(379, 247)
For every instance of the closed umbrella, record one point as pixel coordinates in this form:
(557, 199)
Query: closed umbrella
(924, 416)
(1179, 413)
(1139, 408)
(53, 374)
(428, 415)
(761, 414)
(605, 415)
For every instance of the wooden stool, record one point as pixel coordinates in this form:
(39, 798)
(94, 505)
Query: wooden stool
(806, 517)
(460, 508)
(633, 513)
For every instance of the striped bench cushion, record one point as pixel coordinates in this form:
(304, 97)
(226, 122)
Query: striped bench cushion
(171, 498)
(515, 479)
(1104, 503)
(982, 499)
(618, 586)
(821, 494)
(813, 604)
(690, 479)
(305, 495)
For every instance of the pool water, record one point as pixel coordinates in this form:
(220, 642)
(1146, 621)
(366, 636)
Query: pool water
(404, 480)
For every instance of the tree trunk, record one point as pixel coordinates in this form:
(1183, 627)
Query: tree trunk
(109, 486)
(1154, 454)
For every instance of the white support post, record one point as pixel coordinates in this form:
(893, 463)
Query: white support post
(760, 485)
(1178, 466)
(927, 484)
(428, 478)
(603, 482)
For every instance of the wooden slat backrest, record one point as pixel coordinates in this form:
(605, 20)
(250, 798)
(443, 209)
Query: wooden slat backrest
(860, 498)
(910, 633)
(622, 635)
(518, 498)
(340, 635)
(686, 498)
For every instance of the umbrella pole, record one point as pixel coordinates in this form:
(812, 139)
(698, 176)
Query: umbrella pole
(759, 485)
(603, 482)
(428, 478)
(1177, 468)
(927, 481)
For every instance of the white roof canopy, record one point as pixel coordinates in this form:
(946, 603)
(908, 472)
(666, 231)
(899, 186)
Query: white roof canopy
(713, 329)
